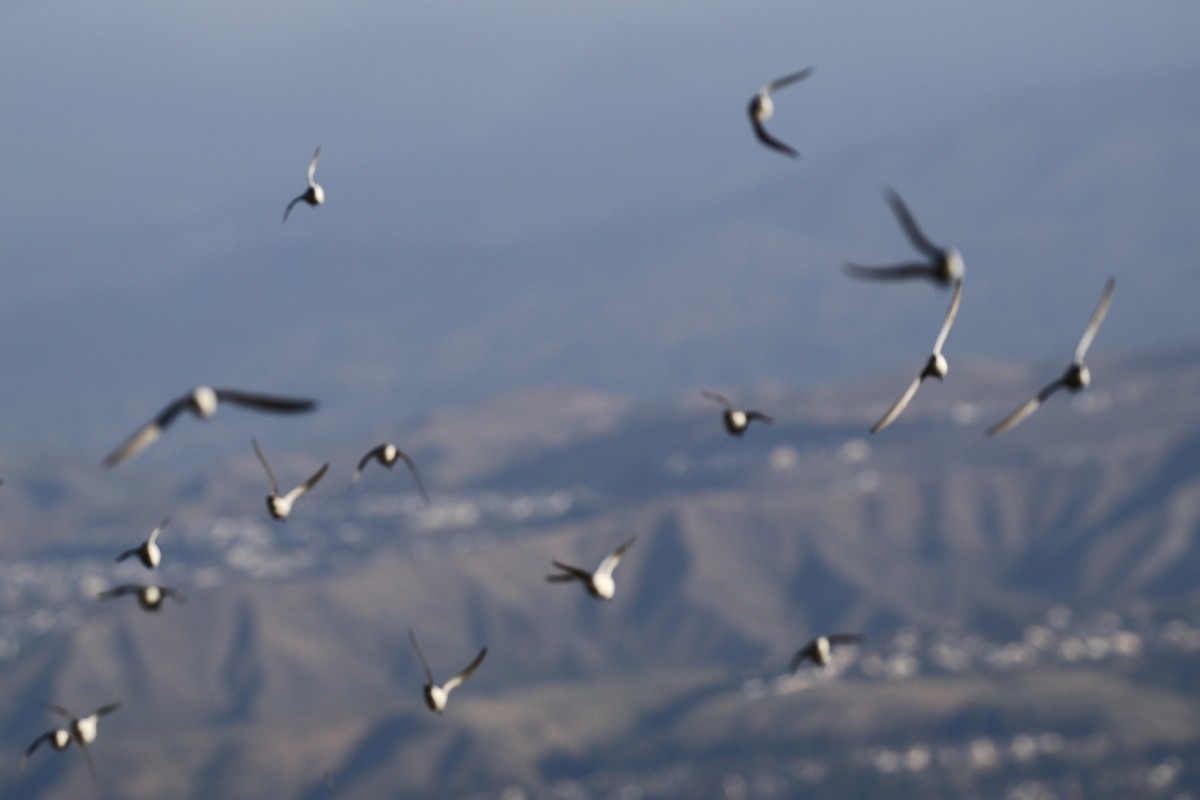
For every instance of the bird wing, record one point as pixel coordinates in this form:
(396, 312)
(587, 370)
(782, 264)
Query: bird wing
(892, 272)
(104, 711)
(802, 655)
(154, 533)
(48, 736)
(458, 679)
(91, 764)
(909, 224)
(1025, 409)
(362, 463)
(62, 712)
(263, 460)
(312, 166)
(174, 594)
(1094, 324)
(118, 591)
(308, 484)
(127, 554)
(898, 406)
(788, 80)
(951, 313)
(612, 559)
(571, 573)
(311, 482)
(760, 416)
(844, 638)
(290, 205)
(771, 141)
(412, 467)
(147, 434)
(719, 398)
(265, 402)
(412, 637)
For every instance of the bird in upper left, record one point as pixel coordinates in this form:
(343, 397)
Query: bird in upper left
(203, 402)
(314, 195)
(762, 108)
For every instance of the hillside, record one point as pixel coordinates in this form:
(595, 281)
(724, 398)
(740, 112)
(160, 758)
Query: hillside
(1052, 562)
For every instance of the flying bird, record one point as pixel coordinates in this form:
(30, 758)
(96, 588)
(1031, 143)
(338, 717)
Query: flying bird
(762, 108)
(819, 649)
(436, 696)
(736, 421)
(314, 195)
(148, 553)
(944, 265)
(599, 584)
(279, 505)
(59, 739)
(202, 402)
(1077, 376)
(150, 597)
(81, 730)
(388, 455)
(935, 367)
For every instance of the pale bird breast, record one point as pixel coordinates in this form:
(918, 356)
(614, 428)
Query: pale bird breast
(204, 401)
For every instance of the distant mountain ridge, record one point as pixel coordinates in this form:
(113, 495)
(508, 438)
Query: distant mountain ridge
(745, 547)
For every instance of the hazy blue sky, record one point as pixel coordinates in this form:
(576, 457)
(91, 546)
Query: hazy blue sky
(146, 143)
(142, 137)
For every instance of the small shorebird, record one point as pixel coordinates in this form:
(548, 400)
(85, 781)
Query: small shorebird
(762, 108)
(150, 597)
(736, 421)
(314, 195)
(436, 696)
(935, 367)
(944, 265)
(202, 402)
(819, 649)
(279, 505)
(1076, 377)
(148, 553)
(388, 455)
(599, 584)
